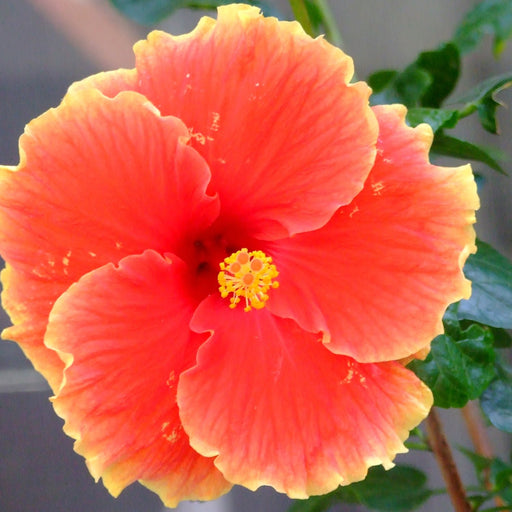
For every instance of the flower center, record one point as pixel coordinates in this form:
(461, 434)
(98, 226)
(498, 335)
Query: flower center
(247, 275)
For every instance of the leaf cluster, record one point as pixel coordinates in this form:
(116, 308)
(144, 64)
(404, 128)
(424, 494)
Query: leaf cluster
(459, 366)
(425, 87)
(494, 477)
(465, 363)
(400, 489)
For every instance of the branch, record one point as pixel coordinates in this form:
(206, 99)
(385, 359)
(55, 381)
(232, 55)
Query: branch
(443, 454)
(478, 434)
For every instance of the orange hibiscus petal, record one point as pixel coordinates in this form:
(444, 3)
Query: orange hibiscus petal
(28, 302)
(278, 409)
(287, 138)
(123, 333)
(110, 83)
(98, 179)
(378, 278)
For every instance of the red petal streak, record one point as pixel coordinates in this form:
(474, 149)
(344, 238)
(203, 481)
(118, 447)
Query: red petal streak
(270, 109)
(124, 335)
(99, 179)
(279, 409)
(378, 278)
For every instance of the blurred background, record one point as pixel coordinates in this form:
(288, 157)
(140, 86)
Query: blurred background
(47, 44)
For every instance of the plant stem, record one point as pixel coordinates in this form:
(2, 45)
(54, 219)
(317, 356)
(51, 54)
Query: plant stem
(476, 430)
(444, 457)
(467, 111)
(478, 434)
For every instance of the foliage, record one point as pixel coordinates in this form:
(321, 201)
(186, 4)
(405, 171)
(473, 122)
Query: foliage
(497, 403)
(459, 366)
(483, 99)
(400, 489)
(426, 84)
(491, 297)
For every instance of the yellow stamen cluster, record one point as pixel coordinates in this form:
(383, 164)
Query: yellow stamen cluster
(247, 275)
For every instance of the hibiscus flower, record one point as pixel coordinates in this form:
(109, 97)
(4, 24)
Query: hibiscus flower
(219, 258)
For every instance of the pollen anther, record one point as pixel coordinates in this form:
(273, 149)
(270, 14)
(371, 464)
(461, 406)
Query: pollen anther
(247, 276)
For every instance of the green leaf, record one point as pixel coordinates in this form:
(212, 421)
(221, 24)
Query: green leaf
(479, 462)
(149, 12)
(406, 87)
(457, 148)
(443, 65)
(491, 298)
(458, 370)
(379, 80)
(303, 14)
(489, 86)
(451, 322)
(437, 118)
(315, 15)
(494, 471)
(496, 403)
(483, 99)
(400, 489)
(501, 479)
(492, 17)
(487, 114)
(426, 82)
(502, 338)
